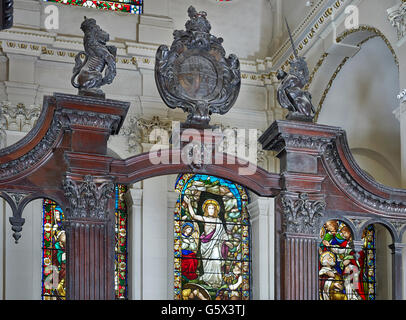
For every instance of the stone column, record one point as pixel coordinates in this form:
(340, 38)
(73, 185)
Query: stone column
(263, 247)
(397, 270)
(400, 114)
(134, 201)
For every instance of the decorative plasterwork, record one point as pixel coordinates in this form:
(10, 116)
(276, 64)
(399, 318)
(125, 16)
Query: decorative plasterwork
(138, 131)
(314, 24)
(18, 117)
(375, 33)
(397, 17)
(402, 96)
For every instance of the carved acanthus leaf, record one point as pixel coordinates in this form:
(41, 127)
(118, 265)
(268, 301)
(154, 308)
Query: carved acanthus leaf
(88, 199)
(301, 215)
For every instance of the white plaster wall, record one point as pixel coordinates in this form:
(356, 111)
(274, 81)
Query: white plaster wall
(155, 239)
(244, 25)
(361, 101)
(383, 263)
(21, 263)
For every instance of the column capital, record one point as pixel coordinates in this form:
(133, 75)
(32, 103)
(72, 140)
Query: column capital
(88, 197)
(301, 212)
(133, 196)
(397, 247)
(259, 207)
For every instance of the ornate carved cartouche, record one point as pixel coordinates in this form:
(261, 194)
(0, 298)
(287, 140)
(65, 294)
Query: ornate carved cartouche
(194, 73)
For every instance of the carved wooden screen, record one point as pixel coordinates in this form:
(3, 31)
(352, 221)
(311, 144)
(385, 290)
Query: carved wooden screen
(212, 239)
(54, 256)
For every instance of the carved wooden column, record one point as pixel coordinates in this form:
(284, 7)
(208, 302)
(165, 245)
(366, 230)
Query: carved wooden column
(90, 237)
(89, 190)
(299, 207)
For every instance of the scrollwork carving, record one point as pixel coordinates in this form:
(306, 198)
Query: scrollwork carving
(34, 155)
(357, 192)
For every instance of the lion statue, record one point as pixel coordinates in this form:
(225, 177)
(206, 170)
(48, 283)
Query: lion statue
(97, 57)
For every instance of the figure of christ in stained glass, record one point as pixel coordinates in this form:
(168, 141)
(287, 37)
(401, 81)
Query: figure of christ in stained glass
(343, 274)
(212, 259)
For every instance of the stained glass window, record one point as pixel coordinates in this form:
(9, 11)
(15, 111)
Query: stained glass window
(344, 275)
(121, 268)
(53, 250)
(211, 240)
(129, 6)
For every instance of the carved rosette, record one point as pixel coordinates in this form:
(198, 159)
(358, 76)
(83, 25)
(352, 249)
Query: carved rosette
(301, 214)
(88, 198)
(194, 74)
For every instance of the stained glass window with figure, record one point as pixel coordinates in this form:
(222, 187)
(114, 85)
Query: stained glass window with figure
(53, 249)
(343, 273)
(211, 239)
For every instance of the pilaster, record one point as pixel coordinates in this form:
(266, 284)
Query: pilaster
(400, 114)
(299, 208)
(397, 270)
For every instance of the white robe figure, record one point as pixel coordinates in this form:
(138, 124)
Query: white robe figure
(210, 249)
(211, 241)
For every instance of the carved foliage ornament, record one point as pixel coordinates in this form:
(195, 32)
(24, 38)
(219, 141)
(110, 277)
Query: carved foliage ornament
(301, 215)
(194, 73)
(87, 199)
(397, 17)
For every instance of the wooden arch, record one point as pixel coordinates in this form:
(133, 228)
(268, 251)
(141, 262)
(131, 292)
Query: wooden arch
(316, 161)
(65, 158)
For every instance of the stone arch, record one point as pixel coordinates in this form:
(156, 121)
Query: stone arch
(386, 224)
(329, 66)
